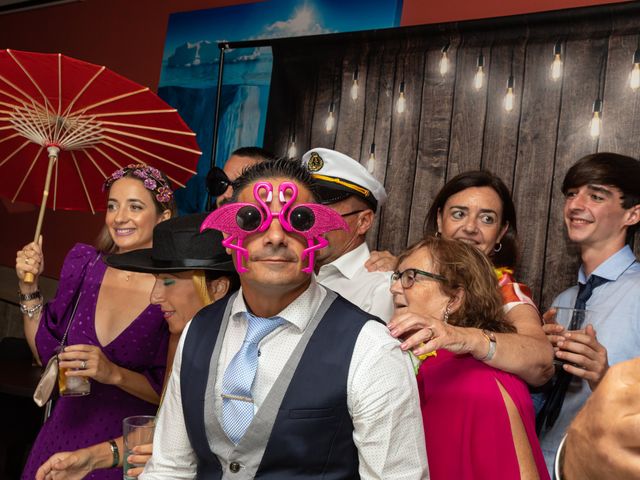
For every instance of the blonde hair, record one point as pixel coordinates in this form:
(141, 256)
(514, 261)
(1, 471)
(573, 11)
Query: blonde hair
(465, 267)
(200, 283)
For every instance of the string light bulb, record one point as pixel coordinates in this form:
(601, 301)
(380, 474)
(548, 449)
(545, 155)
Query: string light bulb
(478, 79)
(444, 60)
(508, 98)
(595, 126)
(371, 162)
(556, 65)
(634, 79)
(354, 86)
(292, 152)
(401, 104)
(330, 122)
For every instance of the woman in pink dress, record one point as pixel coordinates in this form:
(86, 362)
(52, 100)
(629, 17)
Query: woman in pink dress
(478, 420)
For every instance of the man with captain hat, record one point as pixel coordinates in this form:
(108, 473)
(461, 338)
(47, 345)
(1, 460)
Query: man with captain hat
(348, 188)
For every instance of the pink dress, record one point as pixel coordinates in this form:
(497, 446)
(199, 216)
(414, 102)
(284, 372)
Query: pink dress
(466, 424)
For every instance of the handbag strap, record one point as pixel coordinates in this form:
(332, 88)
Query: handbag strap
(75, 306)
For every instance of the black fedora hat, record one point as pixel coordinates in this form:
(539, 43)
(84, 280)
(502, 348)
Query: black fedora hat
(178, 246)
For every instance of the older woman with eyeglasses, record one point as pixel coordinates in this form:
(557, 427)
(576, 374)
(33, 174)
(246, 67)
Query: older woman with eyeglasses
(478, 420)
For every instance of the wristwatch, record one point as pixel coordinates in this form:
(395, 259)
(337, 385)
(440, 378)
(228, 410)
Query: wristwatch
(489, 335)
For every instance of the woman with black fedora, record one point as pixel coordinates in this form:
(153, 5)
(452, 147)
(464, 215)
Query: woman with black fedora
(192, 270)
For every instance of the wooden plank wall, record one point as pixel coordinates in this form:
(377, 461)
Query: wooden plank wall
(450, 127)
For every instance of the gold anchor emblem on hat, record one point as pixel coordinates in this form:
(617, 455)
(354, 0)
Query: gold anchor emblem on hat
(315, 162)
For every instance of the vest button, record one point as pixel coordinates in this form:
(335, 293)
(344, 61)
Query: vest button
(234, 467)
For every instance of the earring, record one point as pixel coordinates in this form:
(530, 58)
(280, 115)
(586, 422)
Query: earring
(498, 247)
(437, 234)
(445, 317)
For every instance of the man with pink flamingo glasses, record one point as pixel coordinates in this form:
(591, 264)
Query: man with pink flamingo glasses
(285, 379)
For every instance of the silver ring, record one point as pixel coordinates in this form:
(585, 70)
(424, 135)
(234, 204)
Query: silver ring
(83, 365)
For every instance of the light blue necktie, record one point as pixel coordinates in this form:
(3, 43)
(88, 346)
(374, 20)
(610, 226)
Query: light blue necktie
(237, 402)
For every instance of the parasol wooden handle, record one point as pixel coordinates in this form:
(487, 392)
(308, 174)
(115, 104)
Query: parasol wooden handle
(53, 157)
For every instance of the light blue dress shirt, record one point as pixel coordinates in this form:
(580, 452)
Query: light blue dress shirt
(616, 320)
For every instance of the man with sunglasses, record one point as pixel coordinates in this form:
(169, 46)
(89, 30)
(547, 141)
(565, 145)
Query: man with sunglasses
(220, 180)
(346, 186)
(286, 379)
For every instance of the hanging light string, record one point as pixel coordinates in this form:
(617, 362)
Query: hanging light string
(556, 64)
(330, 122)
(509, 96)
(595, 126)
(478, 78)
(354, 85)
(371, 161)
(444, 60)
(634, 77)
(401, 103)
(292, 149)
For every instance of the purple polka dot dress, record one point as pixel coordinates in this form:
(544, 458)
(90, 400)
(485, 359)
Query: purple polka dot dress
(78, 422)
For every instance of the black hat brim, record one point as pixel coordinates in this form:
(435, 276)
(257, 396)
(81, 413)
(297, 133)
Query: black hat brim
(329, 193)
(142, 261)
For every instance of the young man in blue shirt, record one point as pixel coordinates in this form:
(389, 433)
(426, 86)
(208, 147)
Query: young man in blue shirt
(601, 214)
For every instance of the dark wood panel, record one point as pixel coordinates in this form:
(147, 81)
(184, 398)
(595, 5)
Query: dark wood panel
(500, 140)
(579, 90)
(400, 172)
(454, 128)
(469, 112)
(378, 120)
(535, 161)
(349, 133)
(328, 91)
(433, 142)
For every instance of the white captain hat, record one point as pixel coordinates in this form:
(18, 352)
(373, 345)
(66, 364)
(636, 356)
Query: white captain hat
(339, 176)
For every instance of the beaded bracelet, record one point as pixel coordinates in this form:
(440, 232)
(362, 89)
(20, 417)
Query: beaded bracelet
(115, 452)
(25, 297)
(30, 311)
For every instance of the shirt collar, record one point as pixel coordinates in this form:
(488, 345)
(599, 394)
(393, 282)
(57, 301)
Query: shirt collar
(298, 313)
(612, 267)
(351, 262)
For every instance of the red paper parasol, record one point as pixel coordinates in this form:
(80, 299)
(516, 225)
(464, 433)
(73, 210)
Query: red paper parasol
(65, 125)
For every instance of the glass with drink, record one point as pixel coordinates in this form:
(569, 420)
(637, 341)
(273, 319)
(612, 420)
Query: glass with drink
(137, 430)
(72, 386)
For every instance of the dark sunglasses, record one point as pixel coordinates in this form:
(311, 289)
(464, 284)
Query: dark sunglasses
(408, 277)
(217, 182)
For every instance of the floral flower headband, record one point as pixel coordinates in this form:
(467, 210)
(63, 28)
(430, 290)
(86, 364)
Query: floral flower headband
(151, 178)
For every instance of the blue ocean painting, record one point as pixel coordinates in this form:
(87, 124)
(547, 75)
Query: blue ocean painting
(189, 75)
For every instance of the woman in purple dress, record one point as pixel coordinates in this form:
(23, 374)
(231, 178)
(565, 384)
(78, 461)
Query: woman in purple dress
(116, 338)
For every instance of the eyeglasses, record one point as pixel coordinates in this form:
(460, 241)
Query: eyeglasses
(408, 277)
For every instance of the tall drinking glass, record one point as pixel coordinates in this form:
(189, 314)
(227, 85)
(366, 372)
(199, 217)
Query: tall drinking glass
(137, 430)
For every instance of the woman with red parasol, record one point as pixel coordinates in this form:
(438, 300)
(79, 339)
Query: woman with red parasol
(115, 337)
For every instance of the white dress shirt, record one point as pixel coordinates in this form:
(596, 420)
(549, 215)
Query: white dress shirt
(382, 396)
(368, 290)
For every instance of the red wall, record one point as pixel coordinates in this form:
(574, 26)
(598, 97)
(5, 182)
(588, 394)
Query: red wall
(128, 37)
(418, 12)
